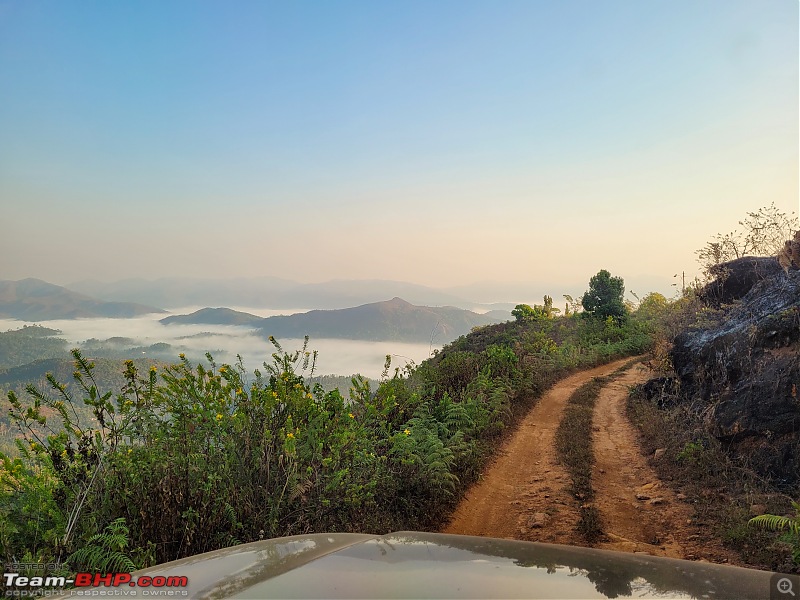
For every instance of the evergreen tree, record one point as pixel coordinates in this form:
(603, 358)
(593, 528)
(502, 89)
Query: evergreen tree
(604, 297)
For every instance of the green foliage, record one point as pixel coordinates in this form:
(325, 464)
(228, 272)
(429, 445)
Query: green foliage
(692, 452)
(605, 297)
(791, 525)
(524, 313)
(104, 552)
(31, 521)
(30, 343)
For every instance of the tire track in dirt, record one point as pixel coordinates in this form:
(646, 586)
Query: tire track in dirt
(639, 513)
(646, 523)
(523, 494)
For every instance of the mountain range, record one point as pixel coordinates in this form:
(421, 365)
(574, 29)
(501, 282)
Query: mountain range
(36, 300)
(276, 293)
(394, 319)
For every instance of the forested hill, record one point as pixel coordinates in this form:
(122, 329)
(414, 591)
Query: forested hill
(29, 344)
(395, 320)
(36, 300)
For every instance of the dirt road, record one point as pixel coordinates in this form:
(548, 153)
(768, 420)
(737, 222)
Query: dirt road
(639, 513)
(524, 494)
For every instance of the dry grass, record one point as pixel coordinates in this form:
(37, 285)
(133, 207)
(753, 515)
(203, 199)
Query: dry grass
(724, 492)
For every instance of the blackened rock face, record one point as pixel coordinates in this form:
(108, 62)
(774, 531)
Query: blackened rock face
(746, 367)
(735, 278)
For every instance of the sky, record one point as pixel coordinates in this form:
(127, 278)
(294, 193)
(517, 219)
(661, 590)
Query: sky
(437, 142)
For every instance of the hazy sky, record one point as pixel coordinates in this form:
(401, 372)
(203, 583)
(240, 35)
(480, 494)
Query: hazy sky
(436, 142)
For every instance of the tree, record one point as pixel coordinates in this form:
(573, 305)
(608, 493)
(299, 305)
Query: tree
(548, 307)
(572, 305)
(605, 297)
(525, 313)
(763, 233)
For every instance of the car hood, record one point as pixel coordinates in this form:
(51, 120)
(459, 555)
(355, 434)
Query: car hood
(427, 565)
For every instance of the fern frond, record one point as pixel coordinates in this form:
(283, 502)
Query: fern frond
(230, 513)
(104, 552)
(301, 489)
(777, 523)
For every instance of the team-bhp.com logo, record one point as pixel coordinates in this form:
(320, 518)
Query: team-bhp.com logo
(94, 584)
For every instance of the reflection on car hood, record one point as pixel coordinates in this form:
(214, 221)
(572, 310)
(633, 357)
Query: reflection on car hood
(428, 565)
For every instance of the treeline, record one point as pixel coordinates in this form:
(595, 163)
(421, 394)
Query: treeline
(189, 458)
(30, 343)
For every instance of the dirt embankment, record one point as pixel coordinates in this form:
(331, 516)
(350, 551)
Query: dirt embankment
(525, 495)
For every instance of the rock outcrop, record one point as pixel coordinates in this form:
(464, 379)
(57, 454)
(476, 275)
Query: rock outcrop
(735, 278)
(789, 256)
(744, 367)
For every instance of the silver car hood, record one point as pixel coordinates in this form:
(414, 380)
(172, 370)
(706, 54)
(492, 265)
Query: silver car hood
(429, 565)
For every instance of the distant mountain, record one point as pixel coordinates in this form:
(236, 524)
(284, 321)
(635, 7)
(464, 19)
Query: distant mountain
(344, 293)
(37, 300)
(395, 320)
(498, 315)
(490, 292)
(176, 292)
(264, 292)
(214, 316)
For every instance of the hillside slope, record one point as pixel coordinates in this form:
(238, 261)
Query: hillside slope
(36, 300)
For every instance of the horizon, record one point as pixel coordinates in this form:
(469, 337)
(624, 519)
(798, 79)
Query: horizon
(447, 145)
(476, 293)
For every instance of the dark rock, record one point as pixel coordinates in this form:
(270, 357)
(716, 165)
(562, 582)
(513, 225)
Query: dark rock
(735, 278)
(660, 386)
(745, 367)
(665, 391)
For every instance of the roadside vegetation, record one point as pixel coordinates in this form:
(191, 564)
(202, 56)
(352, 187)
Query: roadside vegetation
(191, 457)
(724, 493)
(730, 480)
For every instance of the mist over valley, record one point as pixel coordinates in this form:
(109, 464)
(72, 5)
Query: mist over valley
(350, 340)
(145, 337)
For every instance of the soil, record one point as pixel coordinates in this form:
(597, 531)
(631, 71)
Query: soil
(524, 494)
